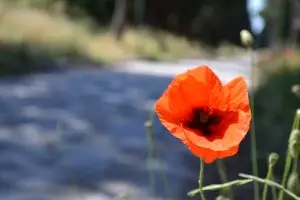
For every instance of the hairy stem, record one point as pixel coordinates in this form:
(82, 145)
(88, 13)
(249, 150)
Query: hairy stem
(270, 183)
(222, 172)
(153, 152)
(273, 189)
(200, 181)
(150, 156)
(220, 186)
(253, 134)
(288, 160)
(269, 175)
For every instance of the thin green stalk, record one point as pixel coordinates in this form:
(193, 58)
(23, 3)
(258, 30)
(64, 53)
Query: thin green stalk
(270, 183)
(200, 181)
(286, 171)
(70, 173)
(166, 184)
(295, 166)
(288, 159)
(220, 186)
(152, 151)
(273, 189)
(269, 175)
(222, 172)
(253, 135)
(150, 156)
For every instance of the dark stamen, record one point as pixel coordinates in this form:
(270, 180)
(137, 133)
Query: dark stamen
(203, 119)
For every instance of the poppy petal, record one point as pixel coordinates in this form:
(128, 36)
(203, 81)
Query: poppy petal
(229, 133)
(206, 154)
(229, 152)
(171, 108)
(237, 94)
(236, 131)
(194, 93)
(209, 150)
(207, 77)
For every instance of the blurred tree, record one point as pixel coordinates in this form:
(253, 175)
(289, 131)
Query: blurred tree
(139, 11)
(279, 17)
(295, 23)
(119, 18)
(271, 17)
(285, 19)
(209, 21)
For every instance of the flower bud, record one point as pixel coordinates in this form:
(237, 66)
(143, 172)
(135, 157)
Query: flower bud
(246, 38)
(148, 124)
(294, 143)
(273, 158)
(293, 183)
(296, 89)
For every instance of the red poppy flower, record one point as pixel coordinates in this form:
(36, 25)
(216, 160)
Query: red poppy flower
(211, 119)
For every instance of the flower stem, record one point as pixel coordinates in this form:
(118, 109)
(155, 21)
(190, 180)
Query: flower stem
(253, 134)
(288, 160)
(200, 181)
(273, 189)
(220, 186)
(295, 166)
(269, 175)
(270, 183)
(70, 173)
(150, 156)
(152, 152)
(222, 172)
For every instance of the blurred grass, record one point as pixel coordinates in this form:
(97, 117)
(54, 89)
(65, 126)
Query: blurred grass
(24, 21)
(275, 104)
(275, 62)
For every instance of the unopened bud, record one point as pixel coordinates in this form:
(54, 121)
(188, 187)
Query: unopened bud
(148, 124)
(246, 38)
(293, 183)
(296, 90)
(273, 158)
(294, 143)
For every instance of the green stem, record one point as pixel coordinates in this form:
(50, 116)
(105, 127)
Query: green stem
(166, 184)
(295, 166)
(286, 171)
(222, 172)
(288, 159)
(152, 152)
(150, 156)
(220, 186)
(269, 174)
(270, 183)
(200, 181)
(273, 189)
(253, 135)
(70, 173)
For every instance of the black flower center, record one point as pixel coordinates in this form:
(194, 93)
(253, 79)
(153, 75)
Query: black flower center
(203, 119)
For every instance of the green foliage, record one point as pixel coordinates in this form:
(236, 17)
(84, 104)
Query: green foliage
(275, 106)
(19, 59)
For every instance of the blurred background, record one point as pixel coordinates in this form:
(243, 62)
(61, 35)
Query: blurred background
(78, 79)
